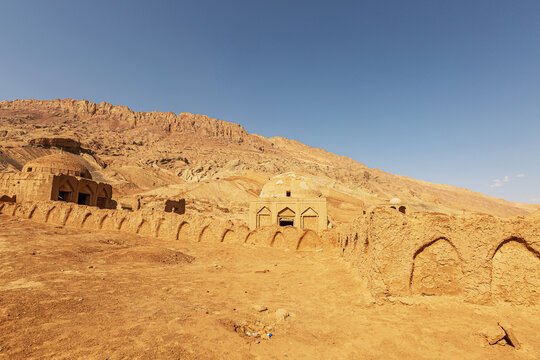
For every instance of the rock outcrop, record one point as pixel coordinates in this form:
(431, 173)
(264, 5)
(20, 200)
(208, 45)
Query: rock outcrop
(142, 151)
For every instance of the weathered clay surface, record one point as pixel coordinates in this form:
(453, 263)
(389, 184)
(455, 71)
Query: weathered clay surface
(482, 258)
(516, 272)
(161, 224)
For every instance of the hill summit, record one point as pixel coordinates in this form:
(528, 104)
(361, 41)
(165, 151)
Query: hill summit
(216, 165)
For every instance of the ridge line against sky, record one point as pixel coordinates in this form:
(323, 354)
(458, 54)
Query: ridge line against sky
(438, 91)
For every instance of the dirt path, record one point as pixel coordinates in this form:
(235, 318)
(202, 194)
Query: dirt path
(104, 295)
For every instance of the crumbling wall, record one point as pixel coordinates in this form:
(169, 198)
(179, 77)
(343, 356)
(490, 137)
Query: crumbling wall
(438, 254)
(25, 186)
(516, 273)
(481, 258)
(161, 225)
(437, 269)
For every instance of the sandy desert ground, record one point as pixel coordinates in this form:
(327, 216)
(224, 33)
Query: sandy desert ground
(68, 294)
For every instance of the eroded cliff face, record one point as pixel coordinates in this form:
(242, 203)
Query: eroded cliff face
(122, 118)
(140, 152)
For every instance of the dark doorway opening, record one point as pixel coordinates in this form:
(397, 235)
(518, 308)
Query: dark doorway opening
(64, 195)
(84, 199)
(402, 209)
(286, 222)
(288, 193)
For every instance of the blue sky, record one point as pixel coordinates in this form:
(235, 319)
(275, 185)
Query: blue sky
(442, 91)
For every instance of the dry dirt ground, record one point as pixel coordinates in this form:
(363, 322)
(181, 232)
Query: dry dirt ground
(71, 294)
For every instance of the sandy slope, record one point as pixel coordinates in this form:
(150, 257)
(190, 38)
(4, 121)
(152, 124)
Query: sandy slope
(72, 294)
(143, 151)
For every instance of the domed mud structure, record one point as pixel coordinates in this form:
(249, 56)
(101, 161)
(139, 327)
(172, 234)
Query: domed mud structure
(289, 185)
(58, 177)
(289, 200)
(57, 164)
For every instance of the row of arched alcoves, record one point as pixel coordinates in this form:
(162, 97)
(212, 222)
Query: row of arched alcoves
(162, 225)
(509, 270)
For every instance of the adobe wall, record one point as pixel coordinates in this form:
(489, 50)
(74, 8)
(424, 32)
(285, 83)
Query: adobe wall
(25, 186)
(162, 225)
(481, 258)
(78, 185)
(38, 186)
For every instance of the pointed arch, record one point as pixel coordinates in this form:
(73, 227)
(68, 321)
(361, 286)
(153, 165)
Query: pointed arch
(102, 221)
(264, 217)
(278, 240)
(143, 228)
(437, 269)
(308, 241)
(66, 189)
(203, 232)
(158, 227)
(310, 219)
(286, 217)
(48, 214)
(32, 212)
(518, 240)
(228, 236)
(121, 223)
(86, 222)
(178, 228)
(515, 272)
(85, 194)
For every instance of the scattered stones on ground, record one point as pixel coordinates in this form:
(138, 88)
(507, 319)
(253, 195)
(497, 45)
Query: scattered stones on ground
(493, 334)
(510, 336)
(281, 314)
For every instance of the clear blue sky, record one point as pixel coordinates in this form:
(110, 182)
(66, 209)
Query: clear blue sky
(443, 91)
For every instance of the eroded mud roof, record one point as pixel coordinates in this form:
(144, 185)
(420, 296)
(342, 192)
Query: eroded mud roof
(65, 164)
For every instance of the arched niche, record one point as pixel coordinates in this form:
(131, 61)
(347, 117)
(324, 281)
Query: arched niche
(66, 190)
(144, 228)
(308, 241)
(310, 219)
(184, 231)
(264, 217)
(516, 273)
(229, 236)
(278, 240)
(437, 269)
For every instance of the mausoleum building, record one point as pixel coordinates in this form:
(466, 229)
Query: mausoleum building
(60, 177)
(289, 200)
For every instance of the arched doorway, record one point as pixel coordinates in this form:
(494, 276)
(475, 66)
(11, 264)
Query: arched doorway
(85, 195)
(286, 217)
(66, 191)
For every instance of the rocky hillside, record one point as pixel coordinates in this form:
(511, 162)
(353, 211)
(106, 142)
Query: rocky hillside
(218, 166)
